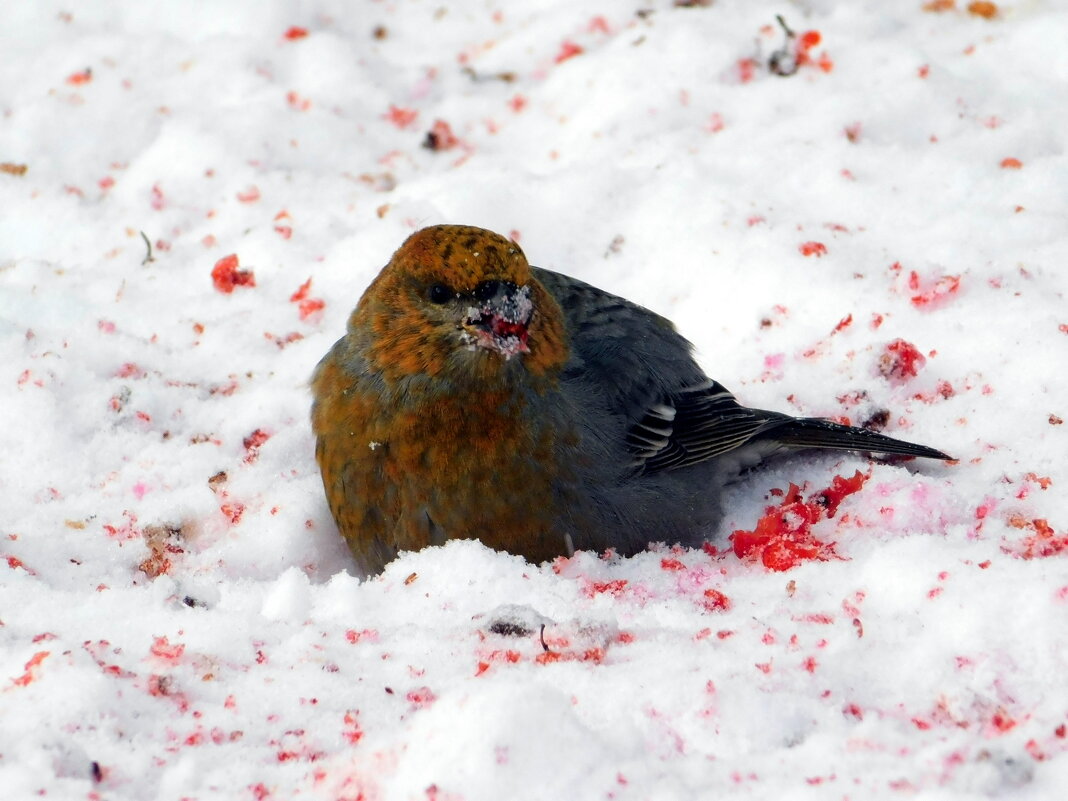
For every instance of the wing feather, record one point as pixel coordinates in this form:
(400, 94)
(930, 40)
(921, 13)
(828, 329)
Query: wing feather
(643, 373)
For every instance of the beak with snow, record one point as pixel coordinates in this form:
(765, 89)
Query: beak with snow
(499, 318)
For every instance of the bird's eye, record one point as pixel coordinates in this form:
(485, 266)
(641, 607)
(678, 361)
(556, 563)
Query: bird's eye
(439, 293)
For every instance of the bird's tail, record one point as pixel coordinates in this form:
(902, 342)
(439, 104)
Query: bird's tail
(813, 432)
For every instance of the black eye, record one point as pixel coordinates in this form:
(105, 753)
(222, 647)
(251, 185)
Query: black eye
(439, 293)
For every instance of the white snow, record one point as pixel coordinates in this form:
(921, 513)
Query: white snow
(176, 619)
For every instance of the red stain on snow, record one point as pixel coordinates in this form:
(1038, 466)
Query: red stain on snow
(568, 50)
(1000, 722)
(163, 687)
(252, 444)
(401, 117)
(822, 618)
(783, 538)
(1043, 482)
(987, 506)
(80, 78)
(807, 41)
(421, 697)
(598, 25)
(307, 306)
(614, 587)
(126, 531)
(595, 655)
(715, 601)
(497, 656)
(900, 362)
(441, 137)
(15, 563)
(233, 511)
(301, 293)
(163, 650)
(817, 249)
(296, 102)
(352, 731)
(310, 306)
(30, 669)
(932, 294)
(225, 275)
(844, 323)
(746, 69)
(367, 635)
(943, 391)
(129, 370)
(1041, 543)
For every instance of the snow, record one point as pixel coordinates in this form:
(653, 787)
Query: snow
(176, 615)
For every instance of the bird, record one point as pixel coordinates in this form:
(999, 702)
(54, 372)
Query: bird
(474, 396)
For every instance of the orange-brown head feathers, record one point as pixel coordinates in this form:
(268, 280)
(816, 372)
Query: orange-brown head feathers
(460, 301)
(461, 257)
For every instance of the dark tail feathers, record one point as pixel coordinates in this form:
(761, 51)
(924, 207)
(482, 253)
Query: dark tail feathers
(812, 432)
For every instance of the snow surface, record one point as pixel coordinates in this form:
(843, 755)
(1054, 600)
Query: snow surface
(176, 619)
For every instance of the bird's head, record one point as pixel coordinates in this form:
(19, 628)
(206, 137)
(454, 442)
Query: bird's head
(460, 297)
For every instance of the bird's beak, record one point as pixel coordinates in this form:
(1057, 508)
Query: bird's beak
(499, 321)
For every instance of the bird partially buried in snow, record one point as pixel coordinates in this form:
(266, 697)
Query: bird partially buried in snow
(477, 397)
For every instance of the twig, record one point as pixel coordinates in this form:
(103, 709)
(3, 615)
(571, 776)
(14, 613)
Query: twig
(148, 257)
(783, 62)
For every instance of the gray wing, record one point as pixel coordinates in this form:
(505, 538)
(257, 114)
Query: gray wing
(673, 414)
(632, 356)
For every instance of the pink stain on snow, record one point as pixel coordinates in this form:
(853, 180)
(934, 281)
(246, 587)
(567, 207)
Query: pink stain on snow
(920, 496)
(773, 367)
(421, 697)
(163, 650)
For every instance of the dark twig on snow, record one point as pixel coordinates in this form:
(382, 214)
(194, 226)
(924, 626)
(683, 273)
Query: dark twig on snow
(148, 257)
(783, 62)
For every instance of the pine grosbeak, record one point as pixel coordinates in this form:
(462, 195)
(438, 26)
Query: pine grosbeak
(475, 396)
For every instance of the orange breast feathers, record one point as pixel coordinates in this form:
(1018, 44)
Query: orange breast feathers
(401, 477)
